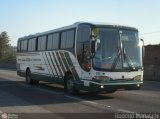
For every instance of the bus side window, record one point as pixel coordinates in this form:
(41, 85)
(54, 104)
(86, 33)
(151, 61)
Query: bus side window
(42, 43)
(21, 49)
(49, 42)
(63, 40)
(70, 39)
(24, 45)
(53, 41)
(29, 45)
(32, 44)
(19, 46)
(67, 39)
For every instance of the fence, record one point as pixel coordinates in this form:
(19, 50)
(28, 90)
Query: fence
(152, 72)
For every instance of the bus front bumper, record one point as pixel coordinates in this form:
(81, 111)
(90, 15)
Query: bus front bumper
(112, 87)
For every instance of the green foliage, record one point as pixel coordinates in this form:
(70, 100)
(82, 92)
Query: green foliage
(8, 58)
(7, 52)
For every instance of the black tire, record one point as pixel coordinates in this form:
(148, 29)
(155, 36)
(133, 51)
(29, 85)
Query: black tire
(29, 80)
(69, 85)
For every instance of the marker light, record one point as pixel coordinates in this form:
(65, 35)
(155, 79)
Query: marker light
(102, 86)
(138, 85)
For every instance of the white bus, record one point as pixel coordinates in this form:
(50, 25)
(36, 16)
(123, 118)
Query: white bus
(93, 57)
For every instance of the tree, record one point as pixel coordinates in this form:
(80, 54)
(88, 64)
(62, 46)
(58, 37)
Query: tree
(4, 43)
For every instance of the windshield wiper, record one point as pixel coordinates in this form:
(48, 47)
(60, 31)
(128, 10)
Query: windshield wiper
(126, 58)
(129, 61)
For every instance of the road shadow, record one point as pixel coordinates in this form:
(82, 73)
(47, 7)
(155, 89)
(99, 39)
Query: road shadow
(17, 93)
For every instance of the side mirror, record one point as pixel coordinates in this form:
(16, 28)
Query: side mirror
(143, 51)
(143, 48)
(142, 41)
(93, 46)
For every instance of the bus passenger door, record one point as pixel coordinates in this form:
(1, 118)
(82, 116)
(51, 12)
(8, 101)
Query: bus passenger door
(86, 64)
(83, 50)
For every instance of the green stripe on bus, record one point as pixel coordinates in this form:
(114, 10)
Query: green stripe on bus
(61, 75)
(59, 59)
(72, 66)
(64, 61)
(43, 55)
(49, 63)
(53, 64)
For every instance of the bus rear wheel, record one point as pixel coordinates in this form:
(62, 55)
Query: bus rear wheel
(29, 80)
(69, 85)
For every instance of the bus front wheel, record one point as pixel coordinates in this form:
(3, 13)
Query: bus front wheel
(69, 85)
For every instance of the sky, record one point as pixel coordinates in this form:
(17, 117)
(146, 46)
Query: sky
(23, 17)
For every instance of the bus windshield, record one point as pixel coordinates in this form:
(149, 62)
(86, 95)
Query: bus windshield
(116, 49)
(132, 48)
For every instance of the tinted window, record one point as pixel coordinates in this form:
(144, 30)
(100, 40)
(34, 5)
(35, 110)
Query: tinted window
(39, 43)
(63, 39)
(70, 39)
(19, 46)
(53, 41)
(49, 44)
(42, 43)
(67, 39)
(24, 45)
(83, 46)
(83, 34)
(32, 44)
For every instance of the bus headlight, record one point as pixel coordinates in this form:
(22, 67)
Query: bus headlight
(138, 78)
(102, 86)
(138, 85)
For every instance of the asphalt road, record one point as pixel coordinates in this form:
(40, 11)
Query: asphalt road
(19, 100)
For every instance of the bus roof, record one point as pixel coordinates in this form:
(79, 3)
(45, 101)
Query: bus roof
(75, 25)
